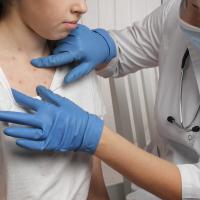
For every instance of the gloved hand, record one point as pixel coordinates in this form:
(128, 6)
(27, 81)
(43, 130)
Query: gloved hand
(57, 124)
(87, 47)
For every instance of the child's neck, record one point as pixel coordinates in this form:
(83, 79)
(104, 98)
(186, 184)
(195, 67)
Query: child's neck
(17, 38)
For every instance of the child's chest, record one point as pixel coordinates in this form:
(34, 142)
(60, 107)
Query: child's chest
(25, 77)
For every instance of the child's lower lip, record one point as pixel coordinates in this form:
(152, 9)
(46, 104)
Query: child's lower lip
(70, 26)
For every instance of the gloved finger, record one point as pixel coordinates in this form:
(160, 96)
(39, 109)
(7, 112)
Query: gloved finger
(27, 101)
(20, 118)
(53, 60)
(78, 72)
(67, 45)
(64, 48)
(25, 133)
(48, 95)
(31, 145)
(69, 38)
(80, 29)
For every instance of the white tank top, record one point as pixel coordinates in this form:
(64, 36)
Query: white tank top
(28, 175)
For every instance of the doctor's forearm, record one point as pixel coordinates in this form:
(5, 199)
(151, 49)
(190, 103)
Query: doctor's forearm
(146, 170)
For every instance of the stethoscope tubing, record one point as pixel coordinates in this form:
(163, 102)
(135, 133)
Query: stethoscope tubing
(170, 118)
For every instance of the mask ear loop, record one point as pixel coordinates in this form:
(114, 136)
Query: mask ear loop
(182, 7)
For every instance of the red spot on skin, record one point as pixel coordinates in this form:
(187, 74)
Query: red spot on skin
(34, 70)
(45, 82)
(20, 82)
(10, 77)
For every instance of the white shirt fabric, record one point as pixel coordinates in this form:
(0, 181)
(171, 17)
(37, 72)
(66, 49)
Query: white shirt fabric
(158, 41)
(28, 175)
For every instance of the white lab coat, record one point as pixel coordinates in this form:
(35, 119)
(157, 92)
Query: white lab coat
(158, 41)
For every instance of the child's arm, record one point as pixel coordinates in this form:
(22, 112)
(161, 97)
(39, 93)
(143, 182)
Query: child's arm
(97, 186)
(153, 174)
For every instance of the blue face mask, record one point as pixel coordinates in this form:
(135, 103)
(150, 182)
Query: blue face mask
(191, 32)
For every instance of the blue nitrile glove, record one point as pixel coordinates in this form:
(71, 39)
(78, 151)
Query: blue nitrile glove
(87, 47)
(57, 124)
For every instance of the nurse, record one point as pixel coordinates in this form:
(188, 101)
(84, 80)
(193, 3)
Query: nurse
(169, 38)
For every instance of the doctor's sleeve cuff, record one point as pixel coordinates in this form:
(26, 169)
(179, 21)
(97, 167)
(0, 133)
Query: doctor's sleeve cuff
(110, 70)
(190, 175)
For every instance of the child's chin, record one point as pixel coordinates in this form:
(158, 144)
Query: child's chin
(59, 36)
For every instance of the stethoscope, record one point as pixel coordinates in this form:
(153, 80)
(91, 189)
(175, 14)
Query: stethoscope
(172, 119)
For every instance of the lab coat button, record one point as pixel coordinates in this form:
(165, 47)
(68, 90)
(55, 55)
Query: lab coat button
(190, 137)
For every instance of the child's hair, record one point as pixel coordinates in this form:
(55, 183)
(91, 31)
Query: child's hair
(3, 7)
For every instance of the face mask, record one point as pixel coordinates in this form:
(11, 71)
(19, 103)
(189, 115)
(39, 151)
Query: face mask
(191, 32)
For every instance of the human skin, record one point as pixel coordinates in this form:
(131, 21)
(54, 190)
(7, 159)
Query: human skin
(156, 175)
(191, 12)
